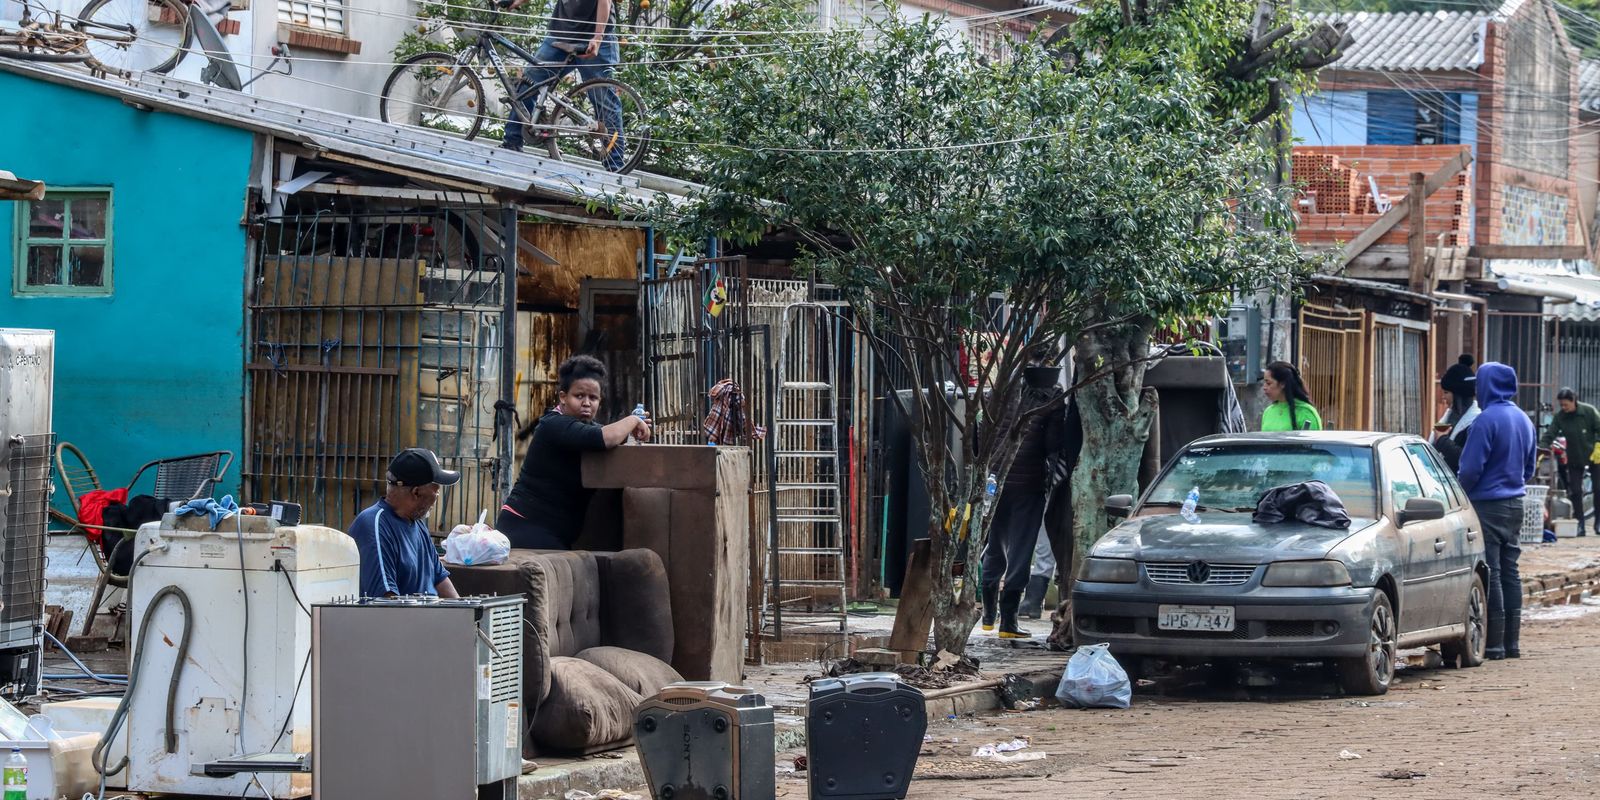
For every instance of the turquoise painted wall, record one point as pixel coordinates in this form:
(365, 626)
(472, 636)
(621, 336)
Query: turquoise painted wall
(155, 369)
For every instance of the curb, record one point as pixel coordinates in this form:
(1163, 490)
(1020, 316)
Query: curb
(1561, 587)
(627, 773)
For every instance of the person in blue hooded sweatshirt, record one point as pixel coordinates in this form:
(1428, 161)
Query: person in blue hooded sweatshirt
(1496, 465)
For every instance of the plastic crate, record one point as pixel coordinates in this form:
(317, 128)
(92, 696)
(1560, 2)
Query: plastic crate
(1533, 515)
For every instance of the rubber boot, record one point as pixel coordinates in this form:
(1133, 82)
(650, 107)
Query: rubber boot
(1513, 634)
(990, 595)
(1033, 597)
(1494, 638)
(1009, 600)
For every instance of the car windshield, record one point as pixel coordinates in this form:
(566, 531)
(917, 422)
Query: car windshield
(1234, 477)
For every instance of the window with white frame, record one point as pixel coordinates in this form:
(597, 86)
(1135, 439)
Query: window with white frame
(320, 15)
(63, 244)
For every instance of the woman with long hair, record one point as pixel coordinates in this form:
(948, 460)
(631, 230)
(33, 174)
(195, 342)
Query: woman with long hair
(1291, 408)
(547, 505)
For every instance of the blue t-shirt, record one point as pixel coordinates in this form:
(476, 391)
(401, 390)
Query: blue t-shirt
(397, 555)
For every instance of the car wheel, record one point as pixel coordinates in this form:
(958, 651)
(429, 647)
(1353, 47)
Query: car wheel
(1372, 673)
(1468, 650)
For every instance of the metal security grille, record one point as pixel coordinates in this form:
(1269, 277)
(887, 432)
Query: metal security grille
(1333, 362)
(27, 512)
(322, 15)
(374, 331)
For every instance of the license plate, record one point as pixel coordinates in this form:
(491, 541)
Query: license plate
(1195, 618)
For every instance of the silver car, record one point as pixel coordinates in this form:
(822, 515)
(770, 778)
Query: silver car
(1408, 572)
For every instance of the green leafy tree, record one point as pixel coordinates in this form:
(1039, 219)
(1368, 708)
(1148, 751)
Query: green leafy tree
(1241, 61)
(925, 181)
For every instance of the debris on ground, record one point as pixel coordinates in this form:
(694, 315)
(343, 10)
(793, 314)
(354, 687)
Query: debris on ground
(801, 764)
(1017, 693)
(1000, 748)
(1348, 755)
(1403, 775)
(604, 794)
(963, 669)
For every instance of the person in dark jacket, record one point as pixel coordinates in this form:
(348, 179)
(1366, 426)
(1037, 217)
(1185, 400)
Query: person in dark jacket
(547, 505)
(1019, 510)
(1450, 433)
(1580, 423)
(1496, 465)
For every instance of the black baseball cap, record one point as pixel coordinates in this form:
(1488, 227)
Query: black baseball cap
(418, 466)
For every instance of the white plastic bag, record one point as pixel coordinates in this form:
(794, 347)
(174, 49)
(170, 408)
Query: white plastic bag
(479, 545)
(1094, 679)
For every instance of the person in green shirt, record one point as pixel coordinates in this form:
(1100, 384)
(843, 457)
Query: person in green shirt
(1580, 423)
(1291, 408)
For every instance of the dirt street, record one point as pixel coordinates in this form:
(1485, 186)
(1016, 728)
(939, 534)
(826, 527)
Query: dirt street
(1529, 727)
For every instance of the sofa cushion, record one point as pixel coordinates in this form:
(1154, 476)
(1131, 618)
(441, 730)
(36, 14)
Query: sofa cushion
(641, 672)
(587, 707)
(635, 603)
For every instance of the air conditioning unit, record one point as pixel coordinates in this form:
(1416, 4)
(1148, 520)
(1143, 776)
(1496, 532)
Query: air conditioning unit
(417, 698)
(27, 377)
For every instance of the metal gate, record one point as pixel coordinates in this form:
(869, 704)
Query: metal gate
(1400, 370)
(1333, 354)
(372, 331)
(1527, 341)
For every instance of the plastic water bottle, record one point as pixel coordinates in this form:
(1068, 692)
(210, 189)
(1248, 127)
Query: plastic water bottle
(639, 412)
(991, 487)
(1191, 503)
(15, 776)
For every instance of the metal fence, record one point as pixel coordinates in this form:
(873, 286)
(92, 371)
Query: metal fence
(373, 330)
(1333, 348)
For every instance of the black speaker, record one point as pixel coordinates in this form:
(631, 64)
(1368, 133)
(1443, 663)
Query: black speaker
(706, 741)
(863, 736)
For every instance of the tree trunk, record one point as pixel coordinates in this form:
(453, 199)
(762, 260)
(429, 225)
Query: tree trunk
(1116, 411)
(955, 606)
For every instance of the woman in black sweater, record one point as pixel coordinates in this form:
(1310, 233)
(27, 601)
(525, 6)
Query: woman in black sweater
(546, 506)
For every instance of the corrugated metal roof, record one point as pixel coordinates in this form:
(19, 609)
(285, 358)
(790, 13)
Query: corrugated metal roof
(1589, 85)
(1557, 278)
(406, 147)
(1437, 40)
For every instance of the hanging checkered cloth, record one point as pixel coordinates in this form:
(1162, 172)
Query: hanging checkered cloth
(728, 423)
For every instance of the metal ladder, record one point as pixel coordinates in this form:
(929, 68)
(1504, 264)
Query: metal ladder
(808, 531)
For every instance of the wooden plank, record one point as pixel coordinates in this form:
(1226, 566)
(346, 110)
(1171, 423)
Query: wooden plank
(1532, 251)
(1416, 239)
(732, 557)
(11, 188)
(913, 620)
(1434, 183)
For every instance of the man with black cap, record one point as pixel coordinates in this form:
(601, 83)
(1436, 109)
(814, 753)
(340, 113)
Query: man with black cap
(397, 554)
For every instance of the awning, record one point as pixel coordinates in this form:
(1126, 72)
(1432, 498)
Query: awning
(1569, 289)
(11, 188)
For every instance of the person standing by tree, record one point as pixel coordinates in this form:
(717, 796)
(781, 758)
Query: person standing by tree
(586, 32)
(1580, 423)
(1019, 510)
(1291, 408)
(1495, 468)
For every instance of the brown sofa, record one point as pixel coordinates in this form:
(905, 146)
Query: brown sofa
(600, 639)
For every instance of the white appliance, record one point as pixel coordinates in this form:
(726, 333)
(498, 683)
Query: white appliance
(27, 380)
(237, 691)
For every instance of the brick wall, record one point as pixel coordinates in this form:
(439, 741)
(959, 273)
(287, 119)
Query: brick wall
(1339, 178)
(1515, 204)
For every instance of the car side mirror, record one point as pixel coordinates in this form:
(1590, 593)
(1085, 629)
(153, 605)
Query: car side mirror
(1421, 509)
(1119, 506)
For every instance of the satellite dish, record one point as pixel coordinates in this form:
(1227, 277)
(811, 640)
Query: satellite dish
(221, 71)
